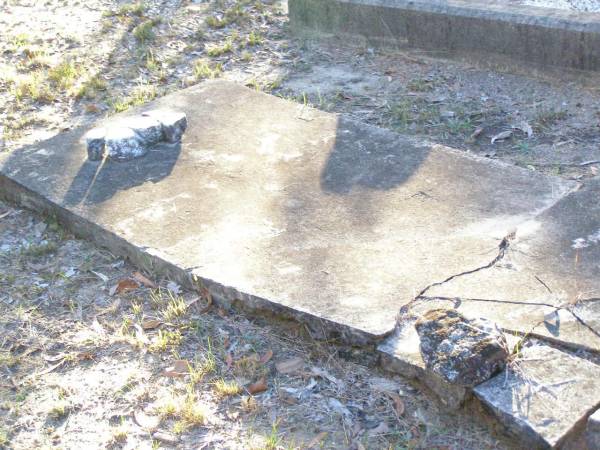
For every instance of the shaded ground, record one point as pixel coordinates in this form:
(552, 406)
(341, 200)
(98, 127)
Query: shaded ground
(76, 362)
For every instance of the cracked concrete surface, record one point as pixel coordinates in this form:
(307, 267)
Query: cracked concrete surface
(278, 206)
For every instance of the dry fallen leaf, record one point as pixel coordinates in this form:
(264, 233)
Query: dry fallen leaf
(266, 357)
(126, 284)
(501, 136)
(258, 387)
(314, 442)
(179, 368)
(148, 423)
(229, 360)
(151, 324)
(144, 281)
(289, 365)
(398, 403)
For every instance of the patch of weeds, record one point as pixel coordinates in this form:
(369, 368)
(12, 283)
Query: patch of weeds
(144, 32)
(3, 436)
(226, 388)
(140, 95)
(131, 9)
(38, 250)
(459, 126)
(215, 22)
(175, 308)
(59, 410)
(165, 339)
(34, 87)
(119, 434)
(249, 367)
(219, 50)
(255, 38)
(20, 40)
(168, 409)
(420, 113)
(192, 414)
(205, 69)
(64, 74)
(199, 370)
(246, 56)
(7, 359)
(91, 87)
(419, 85)
(546, 118)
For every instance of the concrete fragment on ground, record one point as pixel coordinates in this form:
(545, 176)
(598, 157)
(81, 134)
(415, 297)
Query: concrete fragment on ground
(401, 353)
(545, 396)
(461, 351)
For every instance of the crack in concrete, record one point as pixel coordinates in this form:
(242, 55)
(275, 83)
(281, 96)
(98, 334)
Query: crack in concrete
(564, 307)
(502, 249)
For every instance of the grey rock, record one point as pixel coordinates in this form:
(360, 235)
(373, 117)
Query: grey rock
(173, 123)
(95, 140)
(148, 129)
(123, 144)
(592, 432)
(462, 351)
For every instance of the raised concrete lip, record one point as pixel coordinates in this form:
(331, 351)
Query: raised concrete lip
(498, 32)
(497, 10)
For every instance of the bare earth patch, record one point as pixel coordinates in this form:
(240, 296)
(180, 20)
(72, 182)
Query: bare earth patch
(93, 355)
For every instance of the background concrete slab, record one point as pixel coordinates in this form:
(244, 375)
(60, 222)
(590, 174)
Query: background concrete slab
(283, 207)
(497, 31)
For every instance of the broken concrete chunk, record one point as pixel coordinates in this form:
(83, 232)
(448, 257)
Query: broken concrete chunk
(543, 396)
(123, 144)
(148, 129)
(592, 433)
(95, 143)
(173, 123)
(462, 351)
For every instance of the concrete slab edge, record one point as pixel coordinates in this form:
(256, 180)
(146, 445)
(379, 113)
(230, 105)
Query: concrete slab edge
(143, 258)
(491, 31)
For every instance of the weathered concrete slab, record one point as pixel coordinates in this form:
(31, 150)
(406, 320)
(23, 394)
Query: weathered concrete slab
(548, 283)
(500, 30)
(545, 397)
(278, 206)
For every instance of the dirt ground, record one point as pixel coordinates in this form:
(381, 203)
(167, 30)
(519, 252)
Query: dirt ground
(93, 355)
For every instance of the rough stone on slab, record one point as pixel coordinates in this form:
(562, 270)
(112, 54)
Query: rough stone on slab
(173, 124)
(95, 140)
(277, 206)
(149, 130)
(545, 396)
(123, 144)
(592, 432)
(400, 353)
(461, 351)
